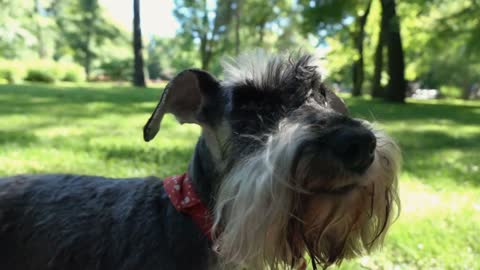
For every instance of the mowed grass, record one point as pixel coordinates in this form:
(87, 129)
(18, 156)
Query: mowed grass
(97, 129)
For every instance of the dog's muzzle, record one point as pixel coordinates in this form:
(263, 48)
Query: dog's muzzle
(354, 147)
(335, 152)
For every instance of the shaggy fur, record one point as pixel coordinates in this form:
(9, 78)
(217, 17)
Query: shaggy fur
(282, 167)
(60, 222)
(269, 217)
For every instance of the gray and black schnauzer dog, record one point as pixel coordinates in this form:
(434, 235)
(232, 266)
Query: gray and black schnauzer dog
(280, 171)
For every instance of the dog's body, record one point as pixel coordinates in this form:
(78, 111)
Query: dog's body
(280, 166)
(62, 222)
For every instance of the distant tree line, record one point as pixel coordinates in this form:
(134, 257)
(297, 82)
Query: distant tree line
(376, 47)
(77, 31)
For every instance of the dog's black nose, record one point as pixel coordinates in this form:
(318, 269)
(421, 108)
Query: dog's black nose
(355, 147)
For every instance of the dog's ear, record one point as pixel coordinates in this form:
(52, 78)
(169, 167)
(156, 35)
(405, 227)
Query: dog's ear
(184, 96)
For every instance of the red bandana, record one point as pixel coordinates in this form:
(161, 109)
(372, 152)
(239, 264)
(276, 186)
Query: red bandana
(184, 198)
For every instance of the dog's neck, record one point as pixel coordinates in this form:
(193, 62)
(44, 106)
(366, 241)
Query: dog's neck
(203, 173)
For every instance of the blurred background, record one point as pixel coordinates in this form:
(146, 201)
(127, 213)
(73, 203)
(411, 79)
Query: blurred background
(78, 79)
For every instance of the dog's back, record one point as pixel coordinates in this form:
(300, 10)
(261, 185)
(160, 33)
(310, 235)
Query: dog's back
(84, 222)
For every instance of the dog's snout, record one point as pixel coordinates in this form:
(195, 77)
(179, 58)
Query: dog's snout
(355, 147)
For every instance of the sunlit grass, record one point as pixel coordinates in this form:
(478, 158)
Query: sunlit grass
(97, 129)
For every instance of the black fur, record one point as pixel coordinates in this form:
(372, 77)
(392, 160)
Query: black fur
(69, 222)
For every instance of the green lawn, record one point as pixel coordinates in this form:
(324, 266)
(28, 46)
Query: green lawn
(97, 130)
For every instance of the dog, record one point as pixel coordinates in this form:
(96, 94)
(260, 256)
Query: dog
(281, 171)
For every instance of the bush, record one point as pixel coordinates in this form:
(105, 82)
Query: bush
(451, 92)
(73, 73)
(11, 72)
(40, 71)
(39, 75)
(118, 69)
(45, 71)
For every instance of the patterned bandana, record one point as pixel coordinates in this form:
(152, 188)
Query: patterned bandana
(180, 190)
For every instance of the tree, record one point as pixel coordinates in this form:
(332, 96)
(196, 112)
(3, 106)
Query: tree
(182, 50)
(456, 61)
(332, 17)
(358, 64)
(261, 15)
(39, 31)
(377, 88)
(83, 29)
(396, 88)
(237, 6)
(17, 37)
(208, 24)
(138, 73)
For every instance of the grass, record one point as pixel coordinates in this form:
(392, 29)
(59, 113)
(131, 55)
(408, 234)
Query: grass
(96, 129)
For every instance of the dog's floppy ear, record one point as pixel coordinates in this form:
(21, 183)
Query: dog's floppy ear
(184, 96)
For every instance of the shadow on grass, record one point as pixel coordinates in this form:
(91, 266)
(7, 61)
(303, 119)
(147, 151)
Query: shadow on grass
(432, 156)
(17, 137)
(72, 102)
(431, 141)
(125, 100)
(381, 111)
(429, 154)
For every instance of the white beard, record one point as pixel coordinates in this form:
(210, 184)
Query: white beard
(259, 198)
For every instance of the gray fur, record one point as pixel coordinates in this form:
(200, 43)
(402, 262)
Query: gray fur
(86, 222)
(273, 165)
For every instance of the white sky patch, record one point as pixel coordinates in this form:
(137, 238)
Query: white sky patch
(156, 16)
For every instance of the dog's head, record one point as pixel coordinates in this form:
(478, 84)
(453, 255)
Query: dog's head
(299, 175)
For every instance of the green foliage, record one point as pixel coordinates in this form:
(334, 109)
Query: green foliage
(16, 29)
(97, 130)
(40, 75)
(60, 30)
(44, 71)
(12, 71)
(167, 56)
(118, 69)
(212, 28)
(73, 73)
(437, 52)
(437, 37)
(40, 71)
(451, 92)
(329, 17)
(85, 29)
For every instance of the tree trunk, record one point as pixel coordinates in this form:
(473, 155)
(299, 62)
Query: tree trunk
(204, 38)
(466, 90)
(237, 26)
(206, 60)
(261, 33)
(138, 65)
(396, 89)
(203, 52)
(377, 88)
(88, 54)
(87, 64)
(358, 65)
(41, 45)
